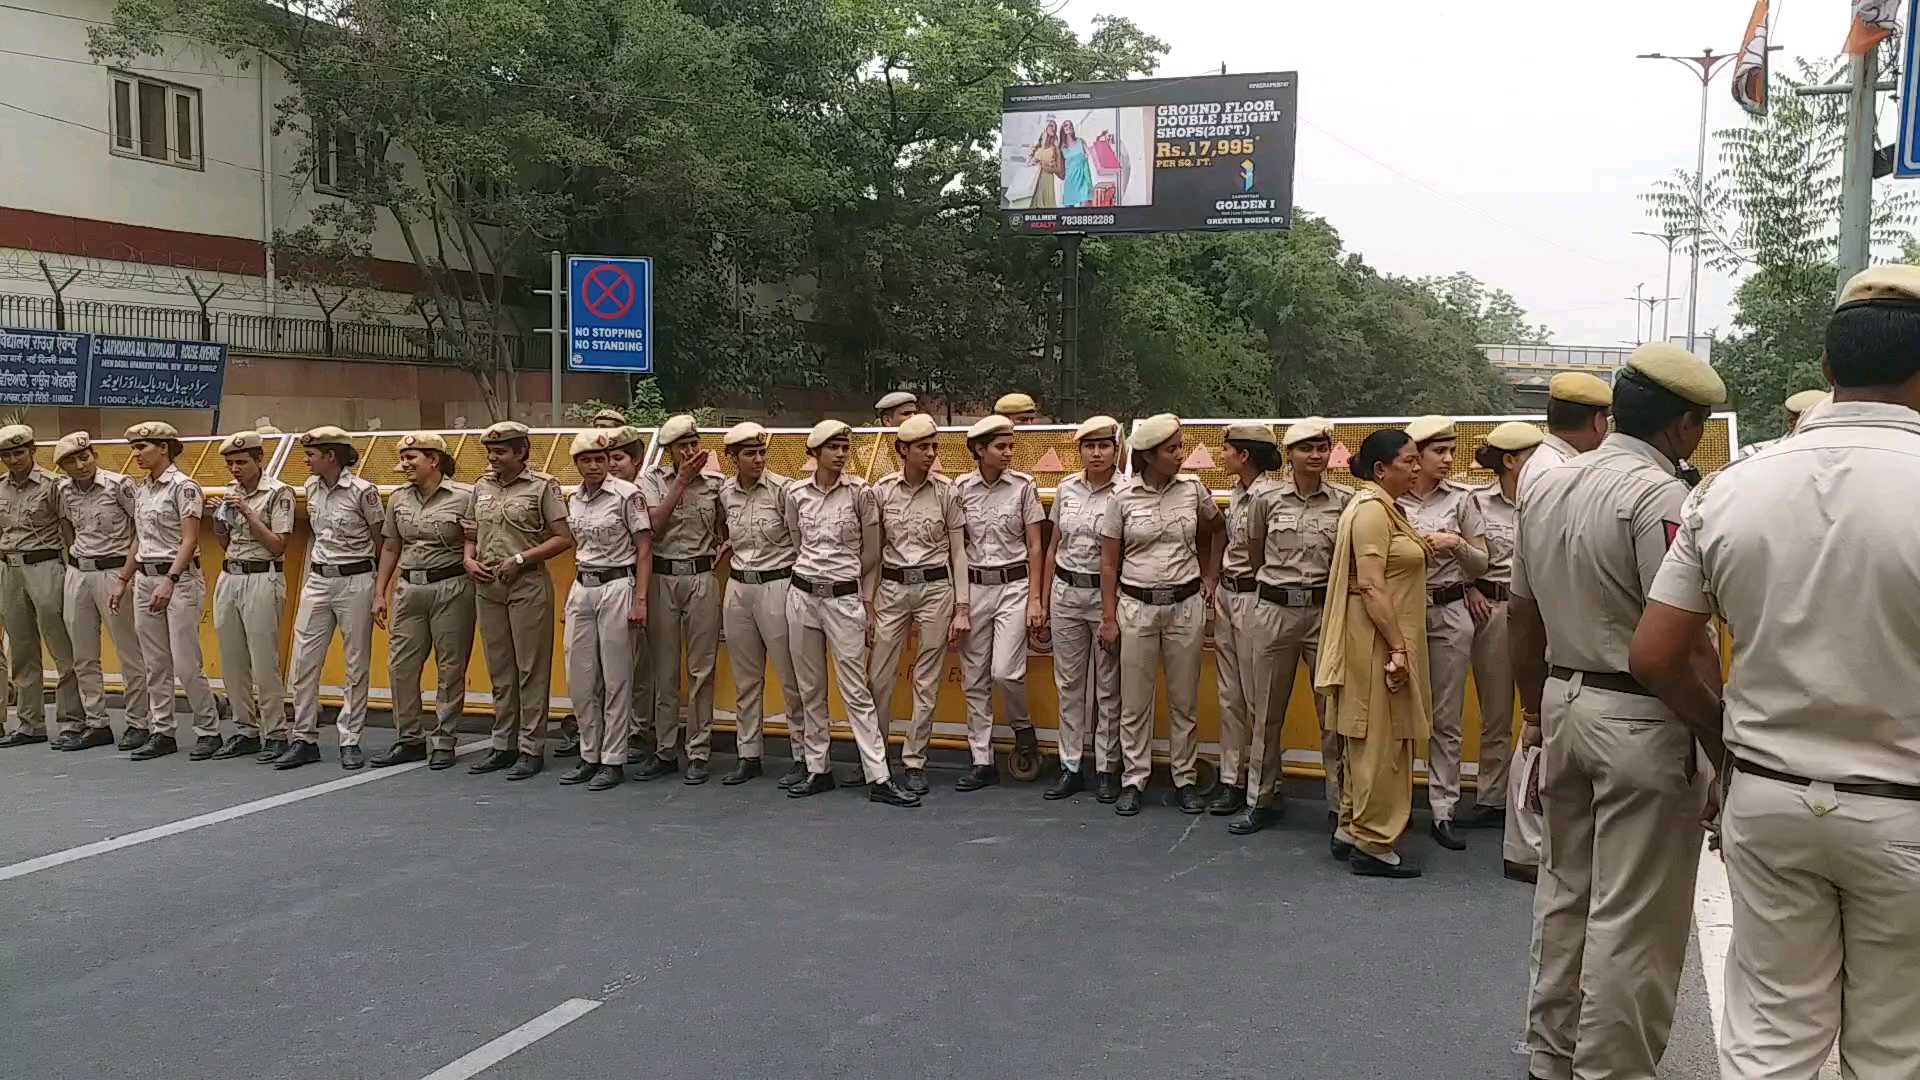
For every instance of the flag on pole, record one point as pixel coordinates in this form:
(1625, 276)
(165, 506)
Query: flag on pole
(1750, 67)
(1873, 22)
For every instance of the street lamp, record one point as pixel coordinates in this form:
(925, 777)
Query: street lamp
(1703, 67)
(1666, 317)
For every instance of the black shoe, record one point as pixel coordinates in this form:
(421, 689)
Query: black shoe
(1339, 848)
(528, 765)
(440, 759)
(495, 761)
(814, 784)
(1366, 865)
(977, 777)
(1108, 788)
(269, 750)
(352, 757)
(297, 754)
(21, 738)
(1190, 801)
(68, 742)
(1227, 801)
(580, 773)
(156, 746)
(204, 747)
(639, 749)
(607, 776)
(1514, 871)
(795, 773)
(743, 770)
(1069, 784)
(657, 767)
(1483, 817)
(1442, 833)
(892, 794)
(134, 738)
(399, 754)
(1128, 803)
(569, 743)
(92, 737)
(1025, 741)
(238, 746)
(1250, 820)
(697, 772)
(916, 781)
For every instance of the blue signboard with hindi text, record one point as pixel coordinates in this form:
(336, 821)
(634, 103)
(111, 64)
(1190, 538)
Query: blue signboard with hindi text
(51, 367)
(610, 314)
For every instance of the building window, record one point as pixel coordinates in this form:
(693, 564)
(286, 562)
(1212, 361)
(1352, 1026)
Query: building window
(340, 161)
(156, 121)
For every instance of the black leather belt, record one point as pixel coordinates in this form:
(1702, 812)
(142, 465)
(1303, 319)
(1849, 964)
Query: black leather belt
(1170, 595)
(1447, 594)
(702, 564)
(1494, 591)
(1240, 584)
(341, 569)
(1883, 791)
(111, 562)
(29, 558)
(433, 574)
(161, 569)
(997, 575)
(916, 575)
(760, 577)
(1294, 597)
(1076, 579)
(596, 576)
(1616, 681)
(825, 590)
(251, 566)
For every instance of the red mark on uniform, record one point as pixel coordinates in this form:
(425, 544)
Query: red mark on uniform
(1673, 530)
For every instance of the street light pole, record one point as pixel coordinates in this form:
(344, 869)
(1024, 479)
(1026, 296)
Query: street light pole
(1666, 317)
(1638, 339)
(1704, 67)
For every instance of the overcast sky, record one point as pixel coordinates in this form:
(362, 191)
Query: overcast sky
(1508, 139)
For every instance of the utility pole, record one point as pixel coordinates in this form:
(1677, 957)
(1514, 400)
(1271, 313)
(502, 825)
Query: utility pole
(556, 329)
(1069, 374)
(1856, 166)
(1703, 67)
(1638, 338)
(1666, 317)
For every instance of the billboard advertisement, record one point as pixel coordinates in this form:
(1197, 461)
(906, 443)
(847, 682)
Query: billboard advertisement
(1214, 152)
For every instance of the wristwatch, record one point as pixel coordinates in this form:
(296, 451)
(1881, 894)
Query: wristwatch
(174, 577)
(519, 558)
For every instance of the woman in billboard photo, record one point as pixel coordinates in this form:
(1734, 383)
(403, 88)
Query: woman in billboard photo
(1046, 154)
(1077, 173)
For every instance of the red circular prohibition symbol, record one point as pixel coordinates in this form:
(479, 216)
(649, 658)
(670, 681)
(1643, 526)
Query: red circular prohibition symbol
(607, 291)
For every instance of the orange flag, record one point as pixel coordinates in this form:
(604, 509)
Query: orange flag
(1750, 67)
(1873, 22)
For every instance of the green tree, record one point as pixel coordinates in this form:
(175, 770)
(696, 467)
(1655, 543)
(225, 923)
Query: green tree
(1497, 318)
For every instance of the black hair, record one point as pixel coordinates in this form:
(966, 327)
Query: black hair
(1643, 408)
(174, 447)
(1492, 457)
(1266, 456)
(1571, 415)
(520, 443)
(449, 468)
(343, 453)
(974, 444)
(1378, 449)
(1874, 343)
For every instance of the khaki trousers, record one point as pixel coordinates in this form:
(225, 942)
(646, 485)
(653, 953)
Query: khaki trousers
(755, 620)
(1087, 678)
(1153, 636)
(993, 656)
(436, 617)
(640, 740)
(170, 648)
(1826, 927)
(600, 643)
(516, 631)
(246, 625)
(1615, 901)
(1493, 682)
(88, 595)
(813, 626)
(327, 604)
(1449, 654)
(683, 610)
(1230, 613)
(1376, 792)
(1525, 828)
(927, 610)
(1273, 641)
(31, 603)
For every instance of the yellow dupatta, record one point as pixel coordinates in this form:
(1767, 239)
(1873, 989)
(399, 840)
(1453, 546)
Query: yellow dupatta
(1330, 671)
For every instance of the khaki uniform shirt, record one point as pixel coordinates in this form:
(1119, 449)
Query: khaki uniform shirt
(1751, 449)
(1447, 508)
(827, 526)
(273, 501)
(918, 526)
(1295, 533)
(1809, 553)
(1553, 450)
(603, 522)
(1593, 534)
(757, 522)
(1078, 510)
(102, 516)
(346, 516)
(1237, 559)
(514, 515)
(430, 530)
(1158, 530)
(997, 516)
(30, 511)
(694, 528)
(1500, 519)
(160, 506)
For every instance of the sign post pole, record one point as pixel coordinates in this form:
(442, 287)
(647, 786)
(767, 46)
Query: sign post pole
(556, 313)
(1069, 324)
(1906, 158)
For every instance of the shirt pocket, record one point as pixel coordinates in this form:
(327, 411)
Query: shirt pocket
(523, 514)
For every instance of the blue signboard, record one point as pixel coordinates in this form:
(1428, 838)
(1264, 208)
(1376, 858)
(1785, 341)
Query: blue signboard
(49, 367)
(44, 367)
(610, 314)
(1906, 157)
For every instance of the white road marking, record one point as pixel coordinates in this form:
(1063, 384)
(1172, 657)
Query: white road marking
(514, 1041)
(174, 828)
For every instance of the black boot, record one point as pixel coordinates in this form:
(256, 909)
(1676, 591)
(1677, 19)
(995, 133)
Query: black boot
(270, 750)
(697, 772)
(238, 746)
(977, 777)
(607, 776)
(1442, 833)
(399, 754)
(133, 738)
(297, 754)
(155, 746)
(657, 767)
(569, 739)
(1189, 800)
(743, 770)
(795, 773)
(1070, 783)
(814, 784)
(495, 761)
(916, 781)
(1250, 820)
(1128, 803)
(892, 794)
(1227, 801)
(204, 747)
(529, 765)
(1109, 787)
(581, 773)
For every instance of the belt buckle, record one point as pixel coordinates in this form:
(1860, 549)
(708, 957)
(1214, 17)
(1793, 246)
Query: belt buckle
(1299, 597)
(86, 566)
(913, 575)
(591, 580)
(683, 566)
(821, 590)
(749, 577)
(993, 577)
(1160, 596)
(14, 558)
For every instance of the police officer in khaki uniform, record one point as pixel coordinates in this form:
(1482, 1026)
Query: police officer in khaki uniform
(836, 529)
(253, 523)
(97, 515)
(1252, 454)
(894, 408)
(923, 555)
(684, 501)
(1614, 902)
(759, 555)
(1443, 510)
(1809, 558)
(624, 460)
(32, 578)
(1017, 407)
(569, 745)
(169, 593)
(423, 547)
(336, 593)
(1792, 408)
(1086, 676)
(608, 602)
(519, 522)
(1577, 405)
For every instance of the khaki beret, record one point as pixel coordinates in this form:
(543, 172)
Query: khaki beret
(1153, 431)
(1313, 427)
(917, 427)
(745, 434)
(14, 436)
(505, 431)
(609, 418)
(1014, 404)
(594, 441)
(627, 436)
(990, 426)
(895, 400)
(1097, 427)
(677, 428)
(422, 440)
(1259, 433)
(826, 431)
(240, 442)
(1580, 388)
(269, 429)
(1514, 436)
(71, 443)
(1804, 400)
(1680, 372)
(152, 431)
(1894, 281)
(326, 436)
(1428, 428)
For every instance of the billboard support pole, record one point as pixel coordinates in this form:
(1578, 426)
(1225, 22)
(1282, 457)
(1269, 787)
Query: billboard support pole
(556, 304)
(1069, 324)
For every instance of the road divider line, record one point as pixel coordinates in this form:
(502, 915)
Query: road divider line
(504, 1047)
